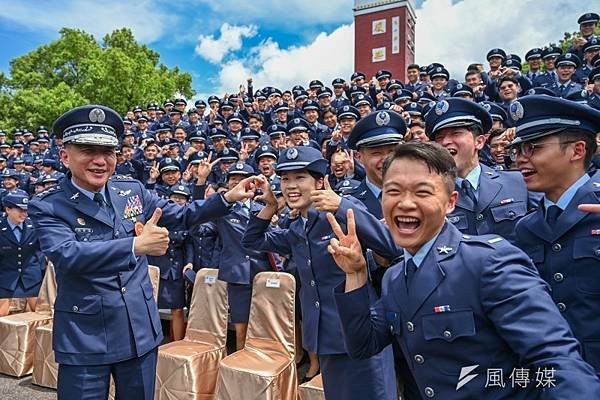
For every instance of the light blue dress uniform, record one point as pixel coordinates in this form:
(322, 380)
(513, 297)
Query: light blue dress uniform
(475, 303)
(305, 242)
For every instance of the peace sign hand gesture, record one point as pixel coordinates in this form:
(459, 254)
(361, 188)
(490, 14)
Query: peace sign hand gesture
(154, 173)
(204, 169)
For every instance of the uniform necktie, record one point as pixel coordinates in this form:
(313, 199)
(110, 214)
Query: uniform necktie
(17, 232)
(561, 89)
(244, 210)
(411, 268)
(552, 214)
(98, 199)
(468, 190)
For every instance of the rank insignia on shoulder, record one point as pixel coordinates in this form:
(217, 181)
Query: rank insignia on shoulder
(495, 240)
(441, 309)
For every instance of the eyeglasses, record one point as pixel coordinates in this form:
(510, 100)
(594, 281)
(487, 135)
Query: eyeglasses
(526, 149)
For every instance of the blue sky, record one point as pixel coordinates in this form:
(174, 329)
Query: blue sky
(285, 42)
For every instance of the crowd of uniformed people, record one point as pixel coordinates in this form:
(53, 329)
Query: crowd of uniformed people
(412, 259)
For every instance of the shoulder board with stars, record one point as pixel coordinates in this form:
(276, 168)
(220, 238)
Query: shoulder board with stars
(50, 190)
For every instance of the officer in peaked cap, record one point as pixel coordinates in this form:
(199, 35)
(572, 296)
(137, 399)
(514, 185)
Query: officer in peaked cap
(439, 79)
(587, 28)
(339, 88)
(357, 78)
(298, 130)
(489, 201)
(266, 157)
(10, 183)
(462, 91)
(566, 65)
(539, 90)
(553, 148)
(302, 170)
(22, 263)
(589, 50)
(534, 59)
(383, 78)
(363, 103)
(499, 116)
(549, 56)
(106, 321)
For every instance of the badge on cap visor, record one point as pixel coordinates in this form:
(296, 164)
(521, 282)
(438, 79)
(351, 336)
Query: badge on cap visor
(516, 110)
(382, 118)
(292, 154)
(97, 116)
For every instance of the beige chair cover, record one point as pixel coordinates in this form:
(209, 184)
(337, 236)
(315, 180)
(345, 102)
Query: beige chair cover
(17, 331)
(17, 306)
(265, 368)
(187, 369)
(45, 368)
(312, 390)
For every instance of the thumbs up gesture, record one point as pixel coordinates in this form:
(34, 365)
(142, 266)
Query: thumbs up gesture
(325, 200)
(153, 240)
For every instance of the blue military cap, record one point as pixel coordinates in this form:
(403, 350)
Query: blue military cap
(276, 187)
(439, 71)
(16, 200)
(213, 99)
(10, 173)
(199, 103)
(298, 87)
(2, 133)
(197, 137)
(551, 51)
(168, 164)
(461, 90)
(17, 143)
(403, 95)
(91, 124)
(591, 45)
(218, 120)
(227, 105)
(496, 112)
(217, 133)
(362, 99)
(49, 162)
(50, 178)
(127, 121)
(454, 112)
(515, 57)
(266, 151)
(182, 190)
(196, 157)
(38, 159)
(300, 94)
(274, 91)
(310, 105)
(298, 124)
(4, 146)
(324, 92)
(169, 142)
(382, 73)
(568, 59)
(240, 168)
(386, 105)
(276, 130)
(426, 97)
(428, 106)
(281, 106)
(536, 52)
(152, 106)
(355, 90)
(538, 116)
(300, 158)
(496, 53)
(338, 82)
(512, 64)
(137, 109)
(587, 18)
(357, 75)
(315, 84)
(41, 129)
(236, 117)
(43, 138)
(346, 185)
(142, 119)
(414, 109)
(249, 133)
(423, 70)
(394, 84)
(580, 96)
(163, 127)
(348, 111)
(180, 101)
(379, 128)
(540, 90)
(595, 62)
(594, 74)
(228, 154)
(26, 132)
(18, 160)
(260, 95)
(192, 111)
(174, 111)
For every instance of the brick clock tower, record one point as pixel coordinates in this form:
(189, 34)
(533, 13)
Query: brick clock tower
(384, 36)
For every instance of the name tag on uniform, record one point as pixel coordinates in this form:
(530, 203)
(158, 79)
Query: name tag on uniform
(83, 230)
(210, 279)
(234, 220)
(273, 283)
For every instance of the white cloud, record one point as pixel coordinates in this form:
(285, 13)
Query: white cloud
(146, 21)
(214, 50)
(462, 33)
(327, 57)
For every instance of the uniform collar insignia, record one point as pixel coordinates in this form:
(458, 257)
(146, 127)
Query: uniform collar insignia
(444, 250)
(75, 196)
(596, 184)
(124, 193)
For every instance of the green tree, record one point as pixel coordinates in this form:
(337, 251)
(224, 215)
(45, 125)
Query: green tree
(76, 69)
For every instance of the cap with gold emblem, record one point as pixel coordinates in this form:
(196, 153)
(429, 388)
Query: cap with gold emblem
(90, 125)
